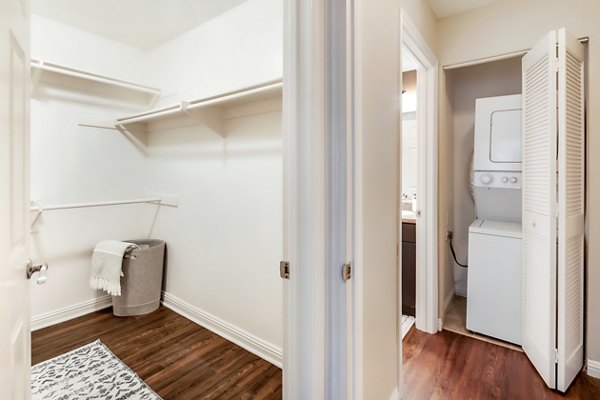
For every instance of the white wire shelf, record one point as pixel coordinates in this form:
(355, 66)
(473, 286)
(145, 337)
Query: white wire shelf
(207, 111)
(73, 77)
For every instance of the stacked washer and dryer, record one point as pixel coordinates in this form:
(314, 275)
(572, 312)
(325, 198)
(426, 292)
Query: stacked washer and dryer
(494, 279)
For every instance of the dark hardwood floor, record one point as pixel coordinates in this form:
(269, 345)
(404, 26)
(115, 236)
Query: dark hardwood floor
(177, 358)
(181, 360)
(450, 366)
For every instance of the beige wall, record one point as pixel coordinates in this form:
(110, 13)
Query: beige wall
(445, 190)
(421, 15)
(513, 25)
(377, 114)
(491, 79)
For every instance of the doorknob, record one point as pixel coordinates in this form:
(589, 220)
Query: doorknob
(40, 268)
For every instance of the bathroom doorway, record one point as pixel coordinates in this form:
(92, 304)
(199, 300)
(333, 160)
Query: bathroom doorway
(418, 206)
(409, 201)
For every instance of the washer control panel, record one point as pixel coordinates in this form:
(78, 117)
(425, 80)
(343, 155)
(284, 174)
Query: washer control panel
(498, 179)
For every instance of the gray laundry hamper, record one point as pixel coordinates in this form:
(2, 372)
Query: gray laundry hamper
(141, 286)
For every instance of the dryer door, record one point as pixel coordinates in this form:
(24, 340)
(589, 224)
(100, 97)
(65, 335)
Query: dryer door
(498, 133)
(505, 136)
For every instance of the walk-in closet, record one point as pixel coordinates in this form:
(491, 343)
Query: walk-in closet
(161, 122)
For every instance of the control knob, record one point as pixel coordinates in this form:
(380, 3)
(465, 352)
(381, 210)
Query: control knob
(486, 179)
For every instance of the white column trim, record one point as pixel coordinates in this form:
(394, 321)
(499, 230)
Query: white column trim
(313, 234)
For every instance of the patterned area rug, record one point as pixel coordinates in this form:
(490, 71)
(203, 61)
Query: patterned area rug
(89, 372)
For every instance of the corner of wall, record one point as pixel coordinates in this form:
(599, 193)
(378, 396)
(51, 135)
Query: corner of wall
(235, 334)
(593, 368)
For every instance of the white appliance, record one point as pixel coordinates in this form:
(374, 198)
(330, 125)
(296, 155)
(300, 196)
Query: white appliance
(497, 158)
(494, 286)
(494, 280)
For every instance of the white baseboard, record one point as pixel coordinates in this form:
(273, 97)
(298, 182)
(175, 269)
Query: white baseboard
(447, 301)
(593, 368)
(246, 340)
(395, 395)
(70, 312)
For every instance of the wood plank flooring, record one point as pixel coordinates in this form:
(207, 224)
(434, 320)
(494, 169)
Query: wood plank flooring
(450, 366)
(455, 321)
(181, 360)
(176, 357)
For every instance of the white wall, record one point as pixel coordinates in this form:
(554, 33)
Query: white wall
(225, 238)
(241, 47)
(492, 79)
(74, 164)
(55, 42)
(409, 133)
(513, 25)
(409, 158)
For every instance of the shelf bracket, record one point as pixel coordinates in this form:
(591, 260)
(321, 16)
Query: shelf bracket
(138, 139)
(183, 106)
(154, 100)
(211, 117)
(37, 74)
(38, 213)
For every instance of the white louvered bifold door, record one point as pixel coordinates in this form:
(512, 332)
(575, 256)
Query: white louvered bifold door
(571, 187)
(539, 206)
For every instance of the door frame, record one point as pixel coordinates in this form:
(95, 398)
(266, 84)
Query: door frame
(426, 302)
(316, 167)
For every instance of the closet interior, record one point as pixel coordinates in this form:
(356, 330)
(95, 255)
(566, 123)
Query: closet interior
(178, 139)
(465, 85)
(518, 125)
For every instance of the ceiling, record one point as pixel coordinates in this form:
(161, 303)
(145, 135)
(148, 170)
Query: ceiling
(144, 24)
(446, 8)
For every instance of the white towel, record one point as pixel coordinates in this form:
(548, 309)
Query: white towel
(107, 261)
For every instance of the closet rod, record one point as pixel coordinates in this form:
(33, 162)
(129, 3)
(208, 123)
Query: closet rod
(96, 204)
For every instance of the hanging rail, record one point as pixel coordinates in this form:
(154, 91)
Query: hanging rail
(229, 98)
(40, 209)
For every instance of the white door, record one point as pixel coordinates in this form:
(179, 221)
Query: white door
(15, 359)
(553, 208)
(539, 207)
(571, 194)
